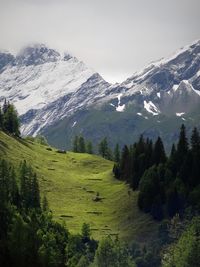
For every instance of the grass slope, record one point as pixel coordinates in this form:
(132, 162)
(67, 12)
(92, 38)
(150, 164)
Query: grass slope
(71, 181)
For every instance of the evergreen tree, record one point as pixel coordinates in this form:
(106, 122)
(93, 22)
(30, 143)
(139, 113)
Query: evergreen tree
(4, 198)
(11, 121)
(13, 189)
(195, 141)
(75, 144)
(159, 155)
(173, 151)
(182, 147)
(104, 150)
(116, 171)
(81, 145)
(89, 147)
(103, 147)
(5, 106)
(140, 146)
(172, 161)
(117, 154)
(125, 169)
(194, 177)
(24, 185)
(149, 189)
(35, 193)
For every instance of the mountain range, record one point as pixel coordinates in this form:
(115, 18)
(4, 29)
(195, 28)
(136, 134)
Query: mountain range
(59, 97)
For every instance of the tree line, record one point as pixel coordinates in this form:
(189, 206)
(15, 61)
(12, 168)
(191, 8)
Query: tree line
(80, 145)
(167, 184)
(9, 121)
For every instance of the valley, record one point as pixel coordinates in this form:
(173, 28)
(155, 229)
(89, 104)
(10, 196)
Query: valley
(71, 181)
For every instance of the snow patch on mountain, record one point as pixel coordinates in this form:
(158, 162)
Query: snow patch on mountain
(74, 123)
(180, 114)
(151, 108)
(120, 108)
(158, 94)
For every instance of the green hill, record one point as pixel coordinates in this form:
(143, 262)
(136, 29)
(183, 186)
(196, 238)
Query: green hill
(71, 182)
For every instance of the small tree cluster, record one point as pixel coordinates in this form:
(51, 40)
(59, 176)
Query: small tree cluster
(137, 158)
(29, 190)
(104, 149)
(9, 120)
(113, 254)
(82, 146)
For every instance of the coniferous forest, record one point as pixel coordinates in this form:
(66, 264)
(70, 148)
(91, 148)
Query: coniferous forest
(168, 189)
(167, 184)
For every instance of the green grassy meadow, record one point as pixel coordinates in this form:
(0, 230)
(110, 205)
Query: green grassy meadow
(71, 182)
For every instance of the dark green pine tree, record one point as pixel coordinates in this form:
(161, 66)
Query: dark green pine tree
(173, 151)
(24, 185)
(116, 171)
(11, 121)
(5, 106)
(125, 164)
(148, 153)
(4, 198)
(140, 146)
(89, 147)
(182, 147)
(35, 193)
(159, 155)
(4, 182)
(194, 178)
(195, 141)
(172, 161)
(183, 157)
(75, 144)
(117, 154)
(14, 196)
(81, 145)
(103, 149)
(149, 189)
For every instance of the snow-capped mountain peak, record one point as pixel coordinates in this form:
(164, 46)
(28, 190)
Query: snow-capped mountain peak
(36, 54)
(47, 86)
(39, 76)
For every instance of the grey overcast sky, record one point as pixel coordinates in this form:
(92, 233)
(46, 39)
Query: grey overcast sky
(114, 37)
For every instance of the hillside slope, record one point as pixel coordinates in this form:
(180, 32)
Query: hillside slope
(71, 181)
